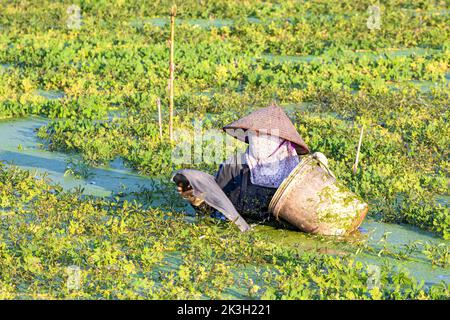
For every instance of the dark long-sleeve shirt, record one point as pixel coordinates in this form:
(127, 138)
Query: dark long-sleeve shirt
(250, 200)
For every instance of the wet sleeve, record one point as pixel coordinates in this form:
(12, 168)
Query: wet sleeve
(222, 178)
(225, 178)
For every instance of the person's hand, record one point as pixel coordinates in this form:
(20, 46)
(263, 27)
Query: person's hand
(189, 196)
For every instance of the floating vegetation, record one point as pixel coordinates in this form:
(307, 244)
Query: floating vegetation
(124, 251)
(78, 169)
(97, 86)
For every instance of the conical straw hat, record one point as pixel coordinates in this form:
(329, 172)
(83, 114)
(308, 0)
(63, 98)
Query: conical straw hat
(270, 120)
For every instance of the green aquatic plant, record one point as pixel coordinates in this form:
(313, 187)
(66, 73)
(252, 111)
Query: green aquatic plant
(400, 184)
(78, 169)
(231, 58)
(57, 244)
(438, 254)
(99, 68)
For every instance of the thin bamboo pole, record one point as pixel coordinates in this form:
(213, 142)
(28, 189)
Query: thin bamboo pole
(158, 103)
(355, 166)
(171, 69)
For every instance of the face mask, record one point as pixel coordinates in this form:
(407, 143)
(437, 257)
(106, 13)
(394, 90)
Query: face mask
(270, 160)
(263, 146)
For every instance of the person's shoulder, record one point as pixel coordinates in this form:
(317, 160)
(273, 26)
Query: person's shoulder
(233, 165)
(230, 169)
(237, 159)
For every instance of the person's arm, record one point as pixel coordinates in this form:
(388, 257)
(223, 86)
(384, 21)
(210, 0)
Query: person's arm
(224, 178)
(185, 190)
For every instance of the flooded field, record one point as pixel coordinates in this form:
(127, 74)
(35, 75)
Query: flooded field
(84, 104)
(20, 147)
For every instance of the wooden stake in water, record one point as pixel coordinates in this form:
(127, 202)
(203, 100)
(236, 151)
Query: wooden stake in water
(158, 103)
(355, 166)
(171, 69)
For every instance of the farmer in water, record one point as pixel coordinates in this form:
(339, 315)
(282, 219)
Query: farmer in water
(250, 180)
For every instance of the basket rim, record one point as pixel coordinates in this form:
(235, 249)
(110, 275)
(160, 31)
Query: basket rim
(286, 182)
